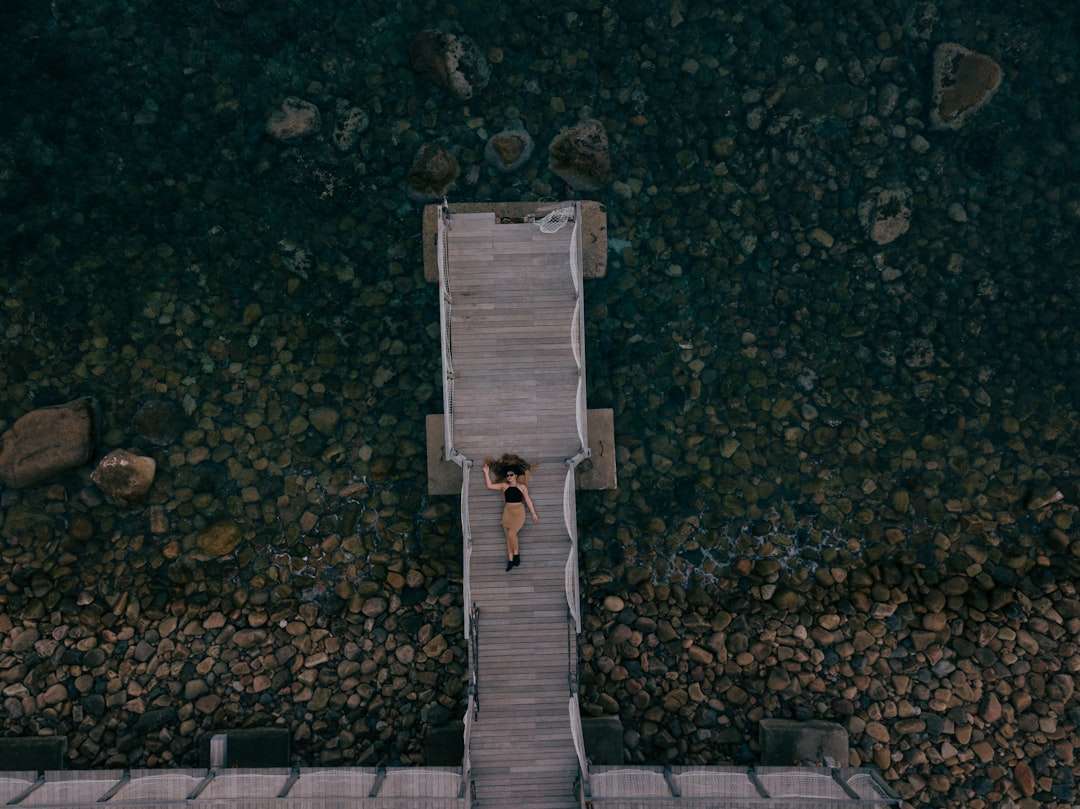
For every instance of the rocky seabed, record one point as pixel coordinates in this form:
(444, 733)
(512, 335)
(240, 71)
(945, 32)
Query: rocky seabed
(837, 332)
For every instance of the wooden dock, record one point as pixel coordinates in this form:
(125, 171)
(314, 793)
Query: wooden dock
(514, 373)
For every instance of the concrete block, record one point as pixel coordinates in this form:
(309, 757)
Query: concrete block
(444, 477)
(787, 742)
(603, 736)
(33, 753)
(250, 747)
(597, 472)
(445, 746)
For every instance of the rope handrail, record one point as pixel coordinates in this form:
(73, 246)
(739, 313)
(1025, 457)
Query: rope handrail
(472, 628)
(445, 306)
(575, 251)
(581, 415)
(577, 330)
(442, 253)
(575, 336)
(474, 660)
(466, 761)
(466, 538)
(568, 504)
(579, 745)
(573, 598)
(571, 590)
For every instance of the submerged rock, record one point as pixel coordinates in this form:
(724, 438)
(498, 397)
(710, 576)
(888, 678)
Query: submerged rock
(158, 421)
(124, 477)
(219, 538)
(964, 81)
(886, 213)
(453, 62)
(294, 120)
(432, 174)
(580, 156)
(351, 123)
(48, 441)
(509, 150)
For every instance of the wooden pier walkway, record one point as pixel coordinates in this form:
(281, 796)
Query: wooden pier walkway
(514, 375)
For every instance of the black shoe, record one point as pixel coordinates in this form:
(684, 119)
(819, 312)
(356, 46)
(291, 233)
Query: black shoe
(517, 559)
(509, 565)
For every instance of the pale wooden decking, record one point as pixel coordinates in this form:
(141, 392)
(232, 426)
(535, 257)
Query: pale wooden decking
(522, 750)
(515, 387)
(513, 306)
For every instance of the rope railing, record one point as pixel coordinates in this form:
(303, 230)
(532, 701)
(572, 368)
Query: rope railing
(445, 306)
(474, 659)
(579, 746)
(575, 251)
(573, 600)
(472, 628)
(466, 761)
(255, 788)
(466, 541)
(577, 328)
(732, 787)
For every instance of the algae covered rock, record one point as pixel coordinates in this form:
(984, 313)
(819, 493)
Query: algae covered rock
(219, 538)
(432, 173)
(580, 156)
(452, 61)
(964, 81)
(509, 150)
(294, 120)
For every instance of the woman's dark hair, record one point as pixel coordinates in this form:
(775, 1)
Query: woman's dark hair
(509, 463)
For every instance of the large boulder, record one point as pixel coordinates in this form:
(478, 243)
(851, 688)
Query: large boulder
(453, 62)
(432, 173)
(964, 81)
(580, 156)
(48, 441)
(124, 477)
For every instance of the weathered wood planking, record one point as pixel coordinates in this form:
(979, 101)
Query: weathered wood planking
(515, 390)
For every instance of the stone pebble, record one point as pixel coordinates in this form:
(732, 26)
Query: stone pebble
(186, 675)
(935, 685)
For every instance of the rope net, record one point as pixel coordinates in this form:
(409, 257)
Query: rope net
(629, 782)
(716, 784)
(343, 783)
(158, 787)
(420, 782)
(553, 222)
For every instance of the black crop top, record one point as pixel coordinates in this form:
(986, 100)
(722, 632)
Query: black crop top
(513, 495)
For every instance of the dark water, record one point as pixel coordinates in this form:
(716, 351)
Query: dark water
(775, 398)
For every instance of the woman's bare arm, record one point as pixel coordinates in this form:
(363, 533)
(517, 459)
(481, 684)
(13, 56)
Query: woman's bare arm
(528, 502)
(498, 487)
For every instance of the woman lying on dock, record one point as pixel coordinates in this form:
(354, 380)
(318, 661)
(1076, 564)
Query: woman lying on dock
(511, 478)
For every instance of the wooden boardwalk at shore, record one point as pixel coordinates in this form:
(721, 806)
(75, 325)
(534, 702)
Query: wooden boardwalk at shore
(516, 379)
